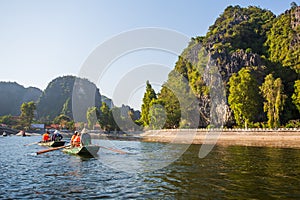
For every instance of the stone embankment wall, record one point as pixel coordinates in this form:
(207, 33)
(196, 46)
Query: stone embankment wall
(245, 137)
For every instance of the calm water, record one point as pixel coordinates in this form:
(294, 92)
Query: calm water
(226, 173)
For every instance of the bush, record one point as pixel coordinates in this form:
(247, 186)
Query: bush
(293, 124)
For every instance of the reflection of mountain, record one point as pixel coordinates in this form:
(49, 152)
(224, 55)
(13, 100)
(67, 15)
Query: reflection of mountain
(13, 95)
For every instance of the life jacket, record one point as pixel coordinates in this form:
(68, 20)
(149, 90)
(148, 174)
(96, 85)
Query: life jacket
(77, 141)
(73, 138)
(46, 137)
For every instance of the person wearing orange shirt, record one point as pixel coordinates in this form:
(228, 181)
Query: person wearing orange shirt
(46, 137)
(73, 138)
(76, 141)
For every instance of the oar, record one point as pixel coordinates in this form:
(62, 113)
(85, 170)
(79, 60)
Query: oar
(115, 150)
(52, 149)
(31, 144)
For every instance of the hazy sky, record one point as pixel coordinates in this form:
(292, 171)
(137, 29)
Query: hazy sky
(41, 40)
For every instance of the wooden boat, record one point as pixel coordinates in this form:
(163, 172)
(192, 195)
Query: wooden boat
(52, 143)
(88, 151)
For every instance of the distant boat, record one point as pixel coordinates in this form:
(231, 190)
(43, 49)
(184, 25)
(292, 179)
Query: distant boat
(4, 134)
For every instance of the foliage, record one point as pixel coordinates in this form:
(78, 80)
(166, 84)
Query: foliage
(170, 102)
(7, 120)
(293, 124)
(272, 91)
(124, 118)
(67, 107)
(105, 118)
(240, 28)
(296, 95)
(243, 97)
(92, 117)
(64, 121)
(148, 97)
(239, 37)
(157, 114)
(283, 44)
(27, 113)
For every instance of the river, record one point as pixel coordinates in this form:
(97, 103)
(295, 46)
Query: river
(148, 171)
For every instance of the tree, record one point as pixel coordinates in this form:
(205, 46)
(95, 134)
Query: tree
(282, 43)
(157, 114)
(243, 97)
(105, 117)
(67, 107)
(272, 91)
(8, 120)
(296, 95)
(27, 113)
(92, 117)
(64, 121)
(148, 97)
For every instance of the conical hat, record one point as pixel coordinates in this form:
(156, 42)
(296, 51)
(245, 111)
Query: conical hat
(84, 130)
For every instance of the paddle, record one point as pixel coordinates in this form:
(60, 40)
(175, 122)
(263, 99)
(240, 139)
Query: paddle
(31, 144)
(115, 150)
(52, 149)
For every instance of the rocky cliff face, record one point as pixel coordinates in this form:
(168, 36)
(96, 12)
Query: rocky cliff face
(68, 95)
(230, 63)
(13, 95)
(238, 39)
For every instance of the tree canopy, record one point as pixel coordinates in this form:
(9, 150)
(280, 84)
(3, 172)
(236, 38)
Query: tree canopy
(148, 97)
(243, 97)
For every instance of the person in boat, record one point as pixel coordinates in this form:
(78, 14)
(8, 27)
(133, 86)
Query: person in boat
(56, 136)
(85, 138)
(73, 138)
(23, 133)
(46, 137)
(76, 142)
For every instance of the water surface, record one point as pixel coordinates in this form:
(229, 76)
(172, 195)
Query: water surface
(226, 173)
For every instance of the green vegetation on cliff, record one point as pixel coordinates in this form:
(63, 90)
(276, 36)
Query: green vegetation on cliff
(246, 45)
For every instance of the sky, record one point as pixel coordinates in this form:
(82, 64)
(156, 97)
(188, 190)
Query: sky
(42, 40)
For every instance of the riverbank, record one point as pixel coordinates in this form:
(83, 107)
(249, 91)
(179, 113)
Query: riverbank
(283, 138)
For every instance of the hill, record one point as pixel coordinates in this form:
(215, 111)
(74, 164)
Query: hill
(239, 51)
(67, 92)
(13, 95)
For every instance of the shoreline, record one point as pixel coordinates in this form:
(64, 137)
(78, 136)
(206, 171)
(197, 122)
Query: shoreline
(280, 138)
(283, 138)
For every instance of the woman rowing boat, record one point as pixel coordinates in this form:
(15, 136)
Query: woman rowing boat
(81, 145)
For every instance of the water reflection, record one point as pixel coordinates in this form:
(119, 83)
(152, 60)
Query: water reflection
(226, 173)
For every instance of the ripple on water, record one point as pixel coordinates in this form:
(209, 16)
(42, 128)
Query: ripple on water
(226, 173)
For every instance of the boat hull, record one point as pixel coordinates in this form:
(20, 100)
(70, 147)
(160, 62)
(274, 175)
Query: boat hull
(52, 143)
(89, 151)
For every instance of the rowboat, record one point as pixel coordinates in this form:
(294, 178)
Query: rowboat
(52, 143)
(88, 151)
